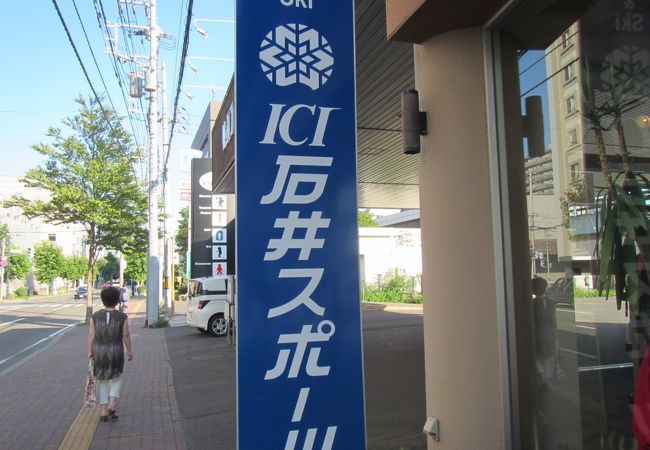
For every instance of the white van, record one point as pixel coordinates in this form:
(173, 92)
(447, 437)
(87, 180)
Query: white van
(206, 308)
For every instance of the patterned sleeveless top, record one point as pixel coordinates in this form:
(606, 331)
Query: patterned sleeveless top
(108, 347)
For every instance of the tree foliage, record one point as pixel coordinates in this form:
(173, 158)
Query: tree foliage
(19, 264)
(181, 240)
(575, 195)
(367, 219)
(48, 261)
(91, 180)
(136, 266)
(74, 267)
(109, 269)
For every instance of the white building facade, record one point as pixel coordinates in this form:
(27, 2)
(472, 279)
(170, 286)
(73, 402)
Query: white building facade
(25, 233)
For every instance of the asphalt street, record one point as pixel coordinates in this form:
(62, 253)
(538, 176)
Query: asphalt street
(204, 378)
(28, 327)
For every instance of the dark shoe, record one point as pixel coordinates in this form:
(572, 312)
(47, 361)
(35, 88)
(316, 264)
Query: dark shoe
(112, 415)
(103, 418)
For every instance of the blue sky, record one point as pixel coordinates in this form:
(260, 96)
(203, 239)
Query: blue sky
(532, 70)
(41, 75)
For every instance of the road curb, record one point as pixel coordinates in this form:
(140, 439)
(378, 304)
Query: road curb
(394, 307)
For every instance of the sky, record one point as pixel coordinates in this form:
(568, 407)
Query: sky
(41, 75)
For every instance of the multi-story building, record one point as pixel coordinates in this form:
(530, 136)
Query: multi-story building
(504, 369)
(25, 233)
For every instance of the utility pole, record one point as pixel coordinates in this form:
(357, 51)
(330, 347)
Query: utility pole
(150, 66)
(153, 257)
(8, 269)
(167, 273)
(2, 267)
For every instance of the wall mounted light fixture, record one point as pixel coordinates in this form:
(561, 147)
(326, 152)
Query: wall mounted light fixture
(414, 122)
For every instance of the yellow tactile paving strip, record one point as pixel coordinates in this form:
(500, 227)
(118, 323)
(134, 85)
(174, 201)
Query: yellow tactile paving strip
(81, 432)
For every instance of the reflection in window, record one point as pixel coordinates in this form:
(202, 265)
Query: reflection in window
(573, 136)
(592, 370)
(566, 39)
(571, 104)
(569, 72)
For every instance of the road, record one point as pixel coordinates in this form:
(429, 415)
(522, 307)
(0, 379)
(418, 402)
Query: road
(27, 327)
(204, 367)
(588, 404)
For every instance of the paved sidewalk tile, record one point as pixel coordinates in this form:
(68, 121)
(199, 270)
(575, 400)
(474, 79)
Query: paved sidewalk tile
(147, 409)
(41, 398)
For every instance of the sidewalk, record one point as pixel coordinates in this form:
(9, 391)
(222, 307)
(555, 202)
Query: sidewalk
(42, 399)
(149, 417)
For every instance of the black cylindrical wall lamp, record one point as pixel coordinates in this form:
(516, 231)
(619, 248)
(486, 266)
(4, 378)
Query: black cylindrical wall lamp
(414, 122)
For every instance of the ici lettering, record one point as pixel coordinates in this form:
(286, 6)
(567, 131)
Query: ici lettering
(280, 123)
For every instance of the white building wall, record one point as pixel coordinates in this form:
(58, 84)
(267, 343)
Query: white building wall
(25, 233)
(381, 249)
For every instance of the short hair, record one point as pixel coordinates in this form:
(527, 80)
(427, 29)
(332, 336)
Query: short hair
(538, 285)
(110, 296)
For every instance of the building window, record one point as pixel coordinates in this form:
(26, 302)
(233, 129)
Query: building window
(575, 170)
(52, 237)
(573, 136)
(571, 104)
(566, 39)
(569, 72)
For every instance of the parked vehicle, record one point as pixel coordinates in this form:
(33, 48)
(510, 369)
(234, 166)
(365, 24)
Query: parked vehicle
(561, 291)
(80, 292)
(206, 308)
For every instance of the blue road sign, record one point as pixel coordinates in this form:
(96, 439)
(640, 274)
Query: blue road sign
(299, 356)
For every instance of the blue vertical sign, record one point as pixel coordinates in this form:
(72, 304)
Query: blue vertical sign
(299, 356)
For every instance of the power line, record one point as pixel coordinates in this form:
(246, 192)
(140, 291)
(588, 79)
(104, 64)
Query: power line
(550, 76)
(76, 52)
(547, 52)
(180, 23)
(186, 39)
(100, 13)
(83, 28)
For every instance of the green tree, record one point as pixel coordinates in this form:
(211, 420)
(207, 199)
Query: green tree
(136, 266)
(367, 219)
(19, 265)
(110, 269)
(91, 180)
(181, 241)
(97, 269)
(74, 267)
(574, 195)
(48, 261)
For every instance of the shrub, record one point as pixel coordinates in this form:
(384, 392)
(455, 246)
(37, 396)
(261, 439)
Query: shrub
(396, 287)
(21, 292)
(162, 321)
(590, 293)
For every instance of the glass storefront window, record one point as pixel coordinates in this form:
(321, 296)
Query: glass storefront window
(588, 213)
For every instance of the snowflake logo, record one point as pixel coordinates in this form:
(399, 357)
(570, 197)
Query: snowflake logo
(295, 53)
(627, 66)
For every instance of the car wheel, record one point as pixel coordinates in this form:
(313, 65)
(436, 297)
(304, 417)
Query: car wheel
(217, 325)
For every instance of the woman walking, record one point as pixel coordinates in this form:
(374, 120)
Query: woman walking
(108, 335)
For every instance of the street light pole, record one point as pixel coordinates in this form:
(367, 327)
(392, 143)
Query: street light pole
(153, 257)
